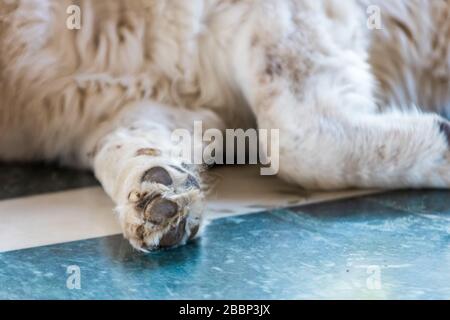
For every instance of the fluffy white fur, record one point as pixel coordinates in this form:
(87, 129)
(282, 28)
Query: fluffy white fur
(106, 97)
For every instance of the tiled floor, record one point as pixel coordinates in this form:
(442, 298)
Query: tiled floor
(381, 246)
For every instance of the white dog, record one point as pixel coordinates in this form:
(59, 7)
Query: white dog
(344, 96)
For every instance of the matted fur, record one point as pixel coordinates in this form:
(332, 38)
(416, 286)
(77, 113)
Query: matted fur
(345, 98)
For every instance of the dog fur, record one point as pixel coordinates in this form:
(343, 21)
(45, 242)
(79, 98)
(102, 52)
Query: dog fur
(355, 107)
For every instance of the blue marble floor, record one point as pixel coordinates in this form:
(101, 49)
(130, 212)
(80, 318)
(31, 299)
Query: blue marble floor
(389, 246)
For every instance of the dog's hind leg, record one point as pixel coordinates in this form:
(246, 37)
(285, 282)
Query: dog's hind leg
(317, 90)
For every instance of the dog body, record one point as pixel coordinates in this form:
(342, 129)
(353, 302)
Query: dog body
(106, 96)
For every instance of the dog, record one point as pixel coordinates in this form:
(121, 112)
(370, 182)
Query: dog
(359, 91)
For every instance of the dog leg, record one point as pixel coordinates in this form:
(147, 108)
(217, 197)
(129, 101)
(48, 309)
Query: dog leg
(318, 93)
(158, 194)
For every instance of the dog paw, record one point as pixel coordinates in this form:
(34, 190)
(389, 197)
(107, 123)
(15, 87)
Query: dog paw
(165, 211)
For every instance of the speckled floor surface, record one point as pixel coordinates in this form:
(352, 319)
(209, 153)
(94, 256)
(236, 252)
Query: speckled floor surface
(385, 246)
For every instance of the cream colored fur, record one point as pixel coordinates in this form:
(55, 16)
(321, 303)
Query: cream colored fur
(345, 98)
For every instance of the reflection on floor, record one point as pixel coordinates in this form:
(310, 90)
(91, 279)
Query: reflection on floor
(384, 246)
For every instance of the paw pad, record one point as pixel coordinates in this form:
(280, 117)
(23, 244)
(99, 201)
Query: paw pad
(157, 175)
(174, 236)
(160, 211)
(159, 222)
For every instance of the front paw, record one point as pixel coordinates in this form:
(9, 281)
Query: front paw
(165, 212)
